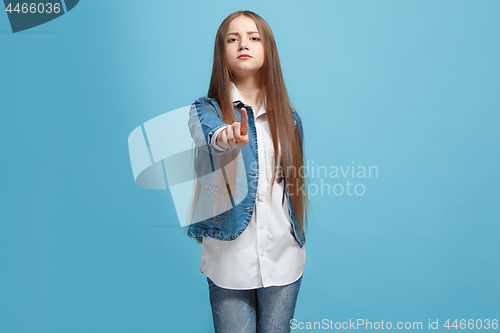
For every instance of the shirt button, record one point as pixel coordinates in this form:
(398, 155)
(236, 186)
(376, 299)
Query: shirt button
(261, 199)
(262, 226)
(261, 252)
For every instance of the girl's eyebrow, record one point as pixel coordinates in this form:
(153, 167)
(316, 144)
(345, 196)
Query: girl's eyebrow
(248, 32)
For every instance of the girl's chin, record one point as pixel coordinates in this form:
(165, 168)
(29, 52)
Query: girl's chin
(246, 71)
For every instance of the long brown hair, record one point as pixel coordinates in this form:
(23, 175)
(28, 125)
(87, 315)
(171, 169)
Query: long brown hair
(278, 109)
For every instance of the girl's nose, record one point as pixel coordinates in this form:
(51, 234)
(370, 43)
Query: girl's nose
(243, 45)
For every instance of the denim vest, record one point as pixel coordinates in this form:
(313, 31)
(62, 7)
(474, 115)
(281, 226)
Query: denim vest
(231, 223)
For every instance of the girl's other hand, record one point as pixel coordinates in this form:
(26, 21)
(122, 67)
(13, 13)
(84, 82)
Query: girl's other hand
(235, 134)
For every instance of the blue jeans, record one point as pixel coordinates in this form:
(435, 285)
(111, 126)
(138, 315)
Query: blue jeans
(259, 310)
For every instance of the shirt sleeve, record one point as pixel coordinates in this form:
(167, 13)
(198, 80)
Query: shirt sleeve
(214, 137)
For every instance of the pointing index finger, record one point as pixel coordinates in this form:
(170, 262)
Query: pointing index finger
(244, 122)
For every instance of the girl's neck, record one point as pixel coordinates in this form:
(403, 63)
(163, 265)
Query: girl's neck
(250, 89)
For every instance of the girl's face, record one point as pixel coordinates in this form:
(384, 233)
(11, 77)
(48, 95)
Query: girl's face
(244, 48)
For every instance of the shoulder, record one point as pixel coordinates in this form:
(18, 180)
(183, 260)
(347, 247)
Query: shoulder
(206, 103)
(206, 100)
(298, 122)
(296, 116)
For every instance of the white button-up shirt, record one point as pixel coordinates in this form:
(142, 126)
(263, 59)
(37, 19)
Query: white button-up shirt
(266, 253)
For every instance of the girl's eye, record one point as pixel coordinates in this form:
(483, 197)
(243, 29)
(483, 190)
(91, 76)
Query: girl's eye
(255, 38)
(231, 40)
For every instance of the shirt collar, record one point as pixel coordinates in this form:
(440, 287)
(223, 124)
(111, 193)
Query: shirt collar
(235, 93)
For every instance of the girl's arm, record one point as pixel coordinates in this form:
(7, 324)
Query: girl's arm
(204, 120)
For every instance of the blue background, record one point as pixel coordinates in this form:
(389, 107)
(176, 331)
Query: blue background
(411, 87)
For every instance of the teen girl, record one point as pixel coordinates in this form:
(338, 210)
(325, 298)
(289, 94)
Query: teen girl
(252, 251)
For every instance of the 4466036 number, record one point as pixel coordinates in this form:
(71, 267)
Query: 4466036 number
(35, 8)
(472, 324)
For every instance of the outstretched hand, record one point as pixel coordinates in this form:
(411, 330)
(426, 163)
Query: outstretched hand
(235, 134)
